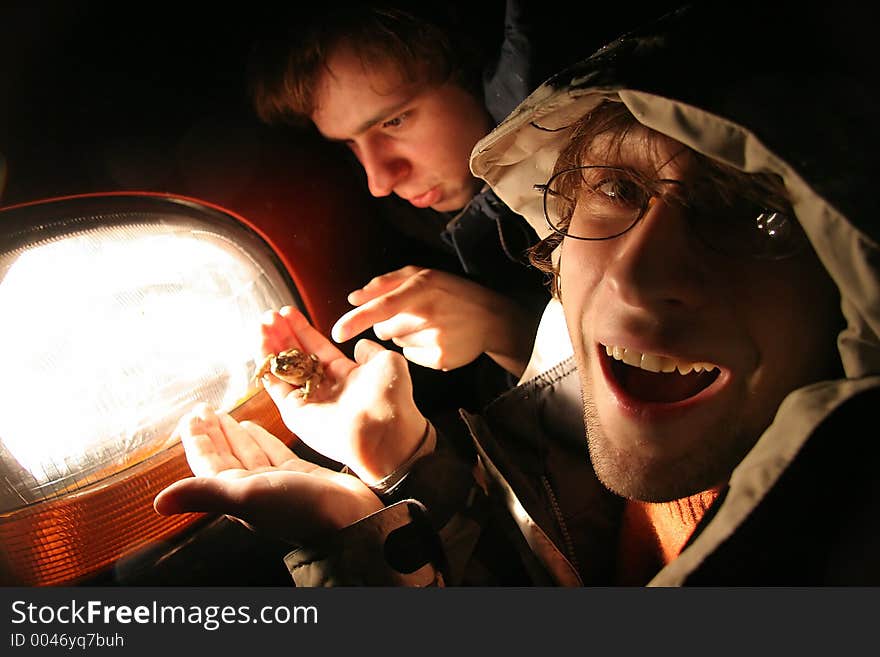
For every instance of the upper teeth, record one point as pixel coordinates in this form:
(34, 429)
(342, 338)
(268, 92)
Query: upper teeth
(654, 363)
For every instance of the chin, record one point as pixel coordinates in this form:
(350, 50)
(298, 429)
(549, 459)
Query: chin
(660, 466)
(650, 476)
(647, 482)
(450, 205)
(446, 207)
(456, 199)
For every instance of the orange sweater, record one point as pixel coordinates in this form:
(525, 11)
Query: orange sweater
(652, 535)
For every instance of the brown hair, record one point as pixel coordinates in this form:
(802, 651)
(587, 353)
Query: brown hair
(429, 45)
(614, 119)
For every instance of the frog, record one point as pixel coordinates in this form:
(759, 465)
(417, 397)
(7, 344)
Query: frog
(295, 367)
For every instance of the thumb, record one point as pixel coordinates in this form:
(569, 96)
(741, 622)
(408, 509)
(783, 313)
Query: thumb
(366, 350)
(194, 495)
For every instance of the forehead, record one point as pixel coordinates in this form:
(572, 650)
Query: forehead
(351, 92)
(639, 148)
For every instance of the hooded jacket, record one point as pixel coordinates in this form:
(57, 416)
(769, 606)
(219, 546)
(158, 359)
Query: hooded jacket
(762, 89)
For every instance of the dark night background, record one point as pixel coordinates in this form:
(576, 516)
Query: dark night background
(99, 96)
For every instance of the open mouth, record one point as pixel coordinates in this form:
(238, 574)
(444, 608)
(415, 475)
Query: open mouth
(658, 379)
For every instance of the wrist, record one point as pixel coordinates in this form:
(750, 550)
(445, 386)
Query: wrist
(388, 483)
(512, 338)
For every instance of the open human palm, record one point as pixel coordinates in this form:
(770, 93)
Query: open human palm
(244, 471)
(361, 414)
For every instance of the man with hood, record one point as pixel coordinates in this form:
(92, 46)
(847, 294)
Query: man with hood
(703, 191)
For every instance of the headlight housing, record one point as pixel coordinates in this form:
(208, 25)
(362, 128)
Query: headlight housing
(120, 312)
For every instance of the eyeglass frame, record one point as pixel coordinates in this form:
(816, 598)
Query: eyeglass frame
(545, 188)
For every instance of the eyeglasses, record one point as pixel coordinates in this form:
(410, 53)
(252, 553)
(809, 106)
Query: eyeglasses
(600, 203)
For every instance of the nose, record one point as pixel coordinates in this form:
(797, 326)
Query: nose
(385, 168)
(658, 262)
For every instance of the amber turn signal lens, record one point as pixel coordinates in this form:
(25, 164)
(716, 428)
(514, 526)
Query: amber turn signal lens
(73, 537)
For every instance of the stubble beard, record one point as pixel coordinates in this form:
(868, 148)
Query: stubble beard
(637, 477)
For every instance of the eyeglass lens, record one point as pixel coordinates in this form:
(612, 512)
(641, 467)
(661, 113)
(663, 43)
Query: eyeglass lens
(601, 203)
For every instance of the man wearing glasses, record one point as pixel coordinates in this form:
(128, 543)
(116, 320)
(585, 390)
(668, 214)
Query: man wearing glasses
(719, 278)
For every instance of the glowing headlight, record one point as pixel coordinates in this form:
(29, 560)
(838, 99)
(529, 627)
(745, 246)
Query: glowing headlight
(115, 322)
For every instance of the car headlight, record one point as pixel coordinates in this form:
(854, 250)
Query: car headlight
(120, 312)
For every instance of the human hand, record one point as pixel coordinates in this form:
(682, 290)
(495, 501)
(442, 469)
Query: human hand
(244, 471)
(361, 414)
(441, 321)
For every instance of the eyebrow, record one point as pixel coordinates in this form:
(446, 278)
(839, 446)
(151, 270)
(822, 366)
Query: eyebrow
(382, 115)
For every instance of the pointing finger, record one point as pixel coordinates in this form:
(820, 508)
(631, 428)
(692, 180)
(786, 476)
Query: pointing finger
(382, 285)
(372, 312)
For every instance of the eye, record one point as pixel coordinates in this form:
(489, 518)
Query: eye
(396, 122)
(621, 190)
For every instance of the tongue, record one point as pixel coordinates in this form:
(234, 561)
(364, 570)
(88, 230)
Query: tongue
(664, 388)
